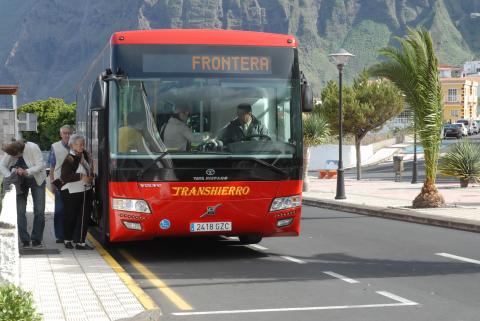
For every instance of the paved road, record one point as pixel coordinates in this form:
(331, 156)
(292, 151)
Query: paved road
(343, 267)
(385, 171)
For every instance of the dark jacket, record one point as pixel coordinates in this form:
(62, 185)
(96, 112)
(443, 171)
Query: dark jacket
(69, 168)
(233, 132)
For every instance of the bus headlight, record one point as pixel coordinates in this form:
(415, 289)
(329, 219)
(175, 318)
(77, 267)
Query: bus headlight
(124, 204)
(282, 203)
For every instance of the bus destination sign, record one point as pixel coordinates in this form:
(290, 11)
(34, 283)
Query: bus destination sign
(205, 63)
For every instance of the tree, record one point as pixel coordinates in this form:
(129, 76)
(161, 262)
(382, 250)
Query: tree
(315, 131)
(414, 69)
(52, 114)
(367, 106)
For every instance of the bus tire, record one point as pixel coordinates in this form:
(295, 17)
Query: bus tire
(250, 239)
(105, 240)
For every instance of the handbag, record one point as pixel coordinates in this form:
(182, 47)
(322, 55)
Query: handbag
(58, 183)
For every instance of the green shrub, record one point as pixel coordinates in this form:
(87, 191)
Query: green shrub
(315, 129)
(16, 304)
(462, 161)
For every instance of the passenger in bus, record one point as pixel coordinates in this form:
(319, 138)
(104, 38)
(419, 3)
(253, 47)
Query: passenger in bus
(175, 133)
(130, 137)
(58, 151)
(244, 127)
(77, 176)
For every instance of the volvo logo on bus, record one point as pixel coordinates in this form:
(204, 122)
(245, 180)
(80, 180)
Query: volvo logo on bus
(210, 172)
(211, 210)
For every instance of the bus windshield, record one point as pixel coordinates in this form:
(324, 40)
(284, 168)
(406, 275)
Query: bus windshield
(203, 118)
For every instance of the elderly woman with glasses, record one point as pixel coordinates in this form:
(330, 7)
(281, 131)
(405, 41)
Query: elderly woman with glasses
(77, 177)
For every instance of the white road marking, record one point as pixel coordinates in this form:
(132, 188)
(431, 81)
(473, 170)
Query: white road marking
(255, 246)
(403, 302)
(460, 258)
(258, 247)
(341, 277)
(397, 298)
(294, 259)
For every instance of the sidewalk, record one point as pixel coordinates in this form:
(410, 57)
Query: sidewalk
(70, 284)
(394, 199)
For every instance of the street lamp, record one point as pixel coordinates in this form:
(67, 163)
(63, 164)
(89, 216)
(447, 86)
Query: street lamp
(414, 165)
(340, 59)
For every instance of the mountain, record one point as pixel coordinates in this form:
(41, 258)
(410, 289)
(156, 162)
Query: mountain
(46, 45)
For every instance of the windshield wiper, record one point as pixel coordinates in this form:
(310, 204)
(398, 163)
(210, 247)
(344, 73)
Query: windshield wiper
(264, 163)
(159, 157)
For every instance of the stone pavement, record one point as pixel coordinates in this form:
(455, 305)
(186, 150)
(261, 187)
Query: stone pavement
(394, 199)
(70, 284)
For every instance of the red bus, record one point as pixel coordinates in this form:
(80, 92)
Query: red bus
(248, 187)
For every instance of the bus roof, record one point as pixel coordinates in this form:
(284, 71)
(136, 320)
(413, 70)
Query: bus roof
(202, 37)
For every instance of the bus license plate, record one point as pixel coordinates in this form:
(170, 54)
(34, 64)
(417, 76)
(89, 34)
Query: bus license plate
(210, 227)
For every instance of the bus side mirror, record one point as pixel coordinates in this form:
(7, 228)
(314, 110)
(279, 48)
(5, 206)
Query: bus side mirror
(307, 95)
(98, 98)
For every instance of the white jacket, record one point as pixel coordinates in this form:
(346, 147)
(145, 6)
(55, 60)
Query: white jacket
(60, 153)
(177, 134)
(34, 160)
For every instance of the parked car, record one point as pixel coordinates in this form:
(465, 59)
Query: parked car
(452, 130)
(462, 128)
(468, 124)
(476, 128)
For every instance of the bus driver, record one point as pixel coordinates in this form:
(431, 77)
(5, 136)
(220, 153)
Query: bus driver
(245, 125)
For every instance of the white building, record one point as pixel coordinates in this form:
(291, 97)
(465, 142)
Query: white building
(471, 68)
(8, 109)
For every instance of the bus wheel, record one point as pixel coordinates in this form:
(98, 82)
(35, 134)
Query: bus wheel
(105, 240)
(250, 239)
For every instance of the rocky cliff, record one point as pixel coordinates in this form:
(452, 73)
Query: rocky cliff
(46, 45)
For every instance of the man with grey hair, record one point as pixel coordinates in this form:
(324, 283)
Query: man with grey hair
(58, 152)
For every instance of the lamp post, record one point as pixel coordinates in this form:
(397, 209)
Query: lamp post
(414, 165)
(340, 59)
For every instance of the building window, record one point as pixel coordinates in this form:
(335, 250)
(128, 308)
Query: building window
(454, 113)
(452, 95)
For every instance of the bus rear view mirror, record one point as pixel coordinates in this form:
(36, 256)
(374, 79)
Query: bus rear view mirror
(98, 96)
(307, 95)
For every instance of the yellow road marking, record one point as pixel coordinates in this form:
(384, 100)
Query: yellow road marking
(50, 193)
(144, 298)
(161, 286)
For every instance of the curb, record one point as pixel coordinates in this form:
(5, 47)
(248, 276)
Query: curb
(401, 214)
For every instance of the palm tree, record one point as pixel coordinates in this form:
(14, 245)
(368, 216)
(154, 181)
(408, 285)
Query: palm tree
(413, 68)
(315, 131)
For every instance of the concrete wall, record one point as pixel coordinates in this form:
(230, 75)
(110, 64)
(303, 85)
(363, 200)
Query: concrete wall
(9, 257)
(385, 143)
(319, 155)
